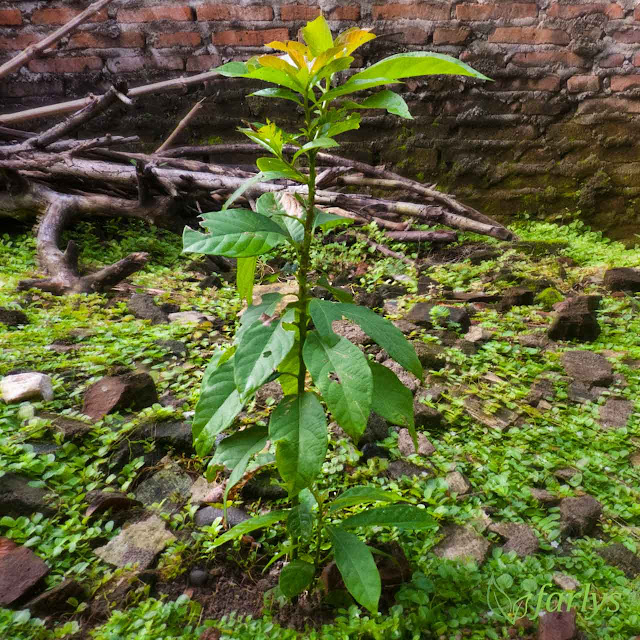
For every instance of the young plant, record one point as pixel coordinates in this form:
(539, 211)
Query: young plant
(299, 339)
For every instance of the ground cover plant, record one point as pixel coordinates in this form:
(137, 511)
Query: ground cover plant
(300, 338)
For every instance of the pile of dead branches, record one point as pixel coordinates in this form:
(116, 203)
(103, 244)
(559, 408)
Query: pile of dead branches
(57, 178)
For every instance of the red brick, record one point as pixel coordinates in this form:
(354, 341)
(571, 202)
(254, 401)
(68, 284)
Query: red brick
(151, 14)
(411, 12)
(636, 60)
(414, 35)
(546, 58)
(549, 83)
(569, 11)
(62, 15)
(65, 65)
(614, 60)
(127, 64)
(632, 36)
(345, 13)
(178, 39)
(87, 40)
(580, 84)
(529, 35)
(450, 36)
(255, 13)
(478, 12)
(203, 63)
(636, 15)
(622, 83)
(299, 12)
(18, 42)
(10, 17)
(249, 38)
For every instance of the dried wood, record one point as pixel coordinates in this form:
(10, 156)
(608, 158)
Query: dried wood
(182, 125)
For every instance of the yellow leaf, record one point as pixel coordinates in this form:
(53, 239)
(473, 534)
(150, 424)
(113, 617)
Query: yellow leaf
(353, 38)
(297, 51)
(278, 63)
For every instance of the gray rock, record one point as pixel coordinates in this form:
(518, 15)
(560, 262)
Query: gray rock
(615, 413)
(54, 601)
(581, 393)
(13, 317)
(170, 486)
(401, 468)
(420, 314)
(541, 389)
(202, 491)
(187, 317)
(408, 379)
(426, 285)
(372, 450)
(113, 393)
(501, 419)
(175, 348)
(351, 331)
(557, 625)
(431, 356)
(587, 367)
(426, 417)
(533, 341)
(515, 297)
(478, 334)
(70, 428)
(579, 516)
(377, 429)
(17, 498)
(431, 393)
(26, 386)
(205, 516)
(169, 435)
(519, 538)
(138, 543)
(576, 319)
(543, 496)
(20, 571)
(622, 279)
(462, 543)
(405, 327)
(565, 582)
(198, 578)
(619, 556)
(142, 306)
(405, 444)
(457, 483)
(565, 474)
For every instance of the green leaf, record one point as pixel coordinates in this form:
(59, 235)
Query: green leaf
(235, 233)
(300, 520)
(232, 69)
(296, 577)
(261, 349)
(416, 63)
(234, 448)
(259, 522)
(339, 294)
(275, 76)
(379, 329)
(327, 221)
(241, 189)
(217, 407)
(319, 143)
(267, 306)
(299, 428)
(318, 36)
(348, 124)
(353, 86)
(362, 495)
(339, 370)
(391, 399)
(245, 276)
(386, 99)
(357, 567)
(279, 166)
(271, 205)
(275, 92)
(403, 516)
(289, 369)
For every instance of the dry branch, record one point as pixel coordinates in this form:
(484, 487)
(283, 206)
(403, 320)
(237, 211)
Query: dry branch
(439, 237)
(33, 50)
(183, 124)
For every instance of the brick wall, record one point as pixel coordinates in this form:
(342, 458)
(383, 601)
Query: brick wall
(557, 130)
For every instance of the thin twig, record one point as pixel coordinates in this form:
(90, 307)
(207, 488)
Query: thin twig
(385, 251)
(183, 124)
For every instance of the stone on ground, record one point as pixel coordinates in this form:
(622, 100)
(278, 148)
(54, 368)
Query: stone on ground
(615, 413)
(622, 279)
(519, 538)
(579, 516)
(457, 483)
(421, 315)
(587, 367)
(557, 625)
(205, 516)
(138, 543)
(20, 571)
(619, 556)
(462, 543)
(401, 468)
(351, 331)
(576, 319)
(54, 601)
(170, 486)
(515, 297)
(431, 355)
(405, 444)
(17, 498)
(187, 317)
(26, 386)
(142, 306)
(13, 317)
(113, 393)
(202, 491)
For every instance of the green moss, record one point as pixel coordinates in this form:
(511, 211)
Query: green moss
(548, 297)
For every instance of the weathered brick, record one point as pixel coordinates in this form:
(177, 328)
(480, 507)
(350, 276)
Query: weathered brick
(548, 83)
(203, 63)
(631, 36)
(411, 12)
(529, 35)
(415, 35)
(65, 65)
(299, 12)
(178, 39)
(10, 17)
(450, 36)
(580, 84)
(345, 13)
(569, 11)
(507, 11)
(614, 60)
(18, 42)
(622, 83)
(249, 38)
(88, 40)
(636, 15)
(636, 60)
(62, 15)
(127, 65)
(13, 89)
(171, 63)
(152, 14)
(546, 58)
(253, 13)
